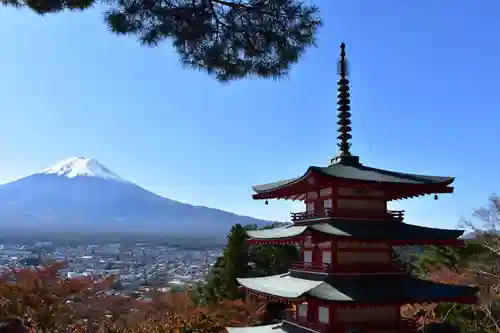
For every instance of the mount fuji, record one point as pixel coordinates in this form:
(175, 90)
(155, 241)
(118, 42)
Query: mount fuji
(81, 194)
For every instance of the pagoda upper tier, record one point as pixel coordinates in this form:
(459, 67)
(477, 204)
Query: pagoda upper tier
(349, 173)
(346, 176)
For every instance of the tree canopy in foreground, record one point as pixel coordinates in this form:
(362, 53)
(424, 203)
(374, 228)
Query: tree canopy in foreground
(229, 39)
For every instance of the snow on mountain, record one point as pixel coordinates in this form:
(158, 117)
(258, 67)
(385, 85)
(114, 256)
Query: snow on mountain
(81, 166)
(81, 194)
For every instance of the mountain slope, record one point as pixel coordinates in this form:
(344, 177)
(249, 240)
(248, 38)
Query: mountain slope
(80, 194)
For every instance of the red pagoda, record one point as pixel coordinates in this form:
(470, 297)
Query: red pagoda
(347, 279)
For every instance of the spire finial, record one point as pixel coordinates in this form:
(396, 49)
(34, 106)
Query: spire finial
(342, 64)
(343, 105)
(344, 114)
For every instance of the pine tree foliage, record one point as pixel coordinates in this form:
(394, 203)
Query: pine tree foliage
(229, 39)
(240, 260)
(445, 257)
(271, 260)
(436, 257)
(234, 261)
(232, 264)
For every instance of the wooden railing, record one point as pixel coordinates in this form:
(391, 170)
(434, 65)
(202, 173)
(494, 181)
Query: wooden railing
(311, 266)
(396, 215)
(371, 268)
(295, 319)
(403, 327)
(327, 212)
(373, 329)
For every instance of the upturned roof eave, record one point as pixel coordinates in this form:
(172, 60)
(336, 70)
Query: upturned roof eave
(281, 184)
(277, 233)
(407, 233)
(281, 285)
(413, 179)
(347, 289)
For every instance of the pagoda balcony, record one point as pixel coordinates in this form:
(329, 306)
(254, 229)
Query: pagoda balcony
(392, 268)
(394, 215)
(303, 322)
(309, 266)
(403, 327)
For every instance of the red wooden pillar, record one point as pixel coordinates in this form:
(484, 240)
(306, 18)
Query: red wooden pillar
(312, 311)
(317, 255)
(335, 249)
(326, 252)
(333, 319)
(334, 197)
(398, 319)
(319, 207)
(308, 246)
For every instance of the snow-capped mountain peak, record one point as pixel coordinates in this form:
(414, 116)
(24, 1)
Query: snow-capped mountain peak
(81, 166)
(82, 195)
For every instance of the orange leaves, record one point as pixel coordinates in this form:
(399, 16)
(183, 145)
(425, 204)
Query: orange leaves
(55, 303)
(451, 277)
(428, 313)
(49, 299)
(239, 313)
(420, 313)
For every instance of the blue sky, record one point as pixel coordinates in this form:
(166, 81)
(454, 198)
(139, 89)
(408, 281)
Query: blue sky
(425, 86)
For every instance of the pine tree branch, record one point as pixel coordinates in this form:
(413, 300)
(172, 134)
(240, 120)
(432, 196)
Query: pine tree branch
(227, 39)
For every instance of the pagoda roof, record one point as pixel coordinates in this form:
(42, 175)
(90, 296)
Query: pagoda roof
(371, 288)
(275, 328)
(283, 327)
(364, 229)
(346, 166)
(356, 172)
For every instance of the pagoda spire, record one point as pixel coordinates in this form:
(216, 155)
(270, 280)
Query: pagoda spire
(344, 114)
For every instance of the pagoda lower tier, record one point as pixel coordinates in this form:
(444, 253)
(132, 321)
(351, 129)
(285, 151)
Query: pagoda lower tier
(347, 278)
(356, 290)
(345, 303)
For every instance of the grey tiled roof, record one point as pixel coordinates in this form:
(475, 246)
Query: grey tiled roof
(358, 172)
(363, 229)
(356, 288)
(283, 327)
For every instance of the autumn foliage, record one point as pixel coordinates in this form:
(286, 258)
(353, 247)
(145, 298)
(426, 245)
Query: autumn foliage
(423, 314)
(51, 303)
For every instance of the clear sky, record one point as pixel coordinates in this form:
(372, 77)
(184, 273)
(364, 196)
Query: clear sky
(425, 96)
